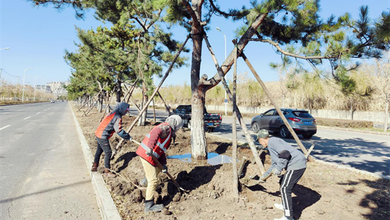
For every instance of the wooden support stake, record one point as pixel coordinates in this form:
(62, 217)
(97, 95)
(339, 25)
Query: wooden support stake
(135, 104)
(239, 116)
(309, 151)
(130, 92)
(274, 103)
(91, 107)
(107, 106)
(154, 109)
(154, 93)
(166, 106)
(234, 128)
(242, 166)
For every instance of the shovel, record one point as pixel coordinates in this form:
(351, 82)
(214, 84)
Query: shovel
(162, 168)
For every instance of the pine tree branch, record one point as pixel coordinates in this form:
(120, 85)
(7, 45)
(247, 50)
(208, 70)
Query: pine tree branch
(192, 13)
(291, 54)
(218, 10)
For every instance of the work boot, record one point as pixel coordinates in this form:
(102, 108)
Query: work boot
(94, 167)
(151, 207)
(107, 173)
(279, 206)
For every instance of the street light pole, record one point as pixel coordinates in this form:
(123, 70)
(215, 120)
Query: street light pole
(24, 76)
(35, 86)
(1, 70)
(224, 37)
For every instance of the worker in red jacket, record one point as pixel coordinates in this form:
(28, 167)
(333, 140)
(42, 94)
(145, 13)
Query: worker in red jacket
(156, 143)
(111, 123)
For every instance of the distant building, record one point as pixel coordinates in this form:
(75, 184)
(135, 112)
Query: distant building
(56, 88)
(43, 88)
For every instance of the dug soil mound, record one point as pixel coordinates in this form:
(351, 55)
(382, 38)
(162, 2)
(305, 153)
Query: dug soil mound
(324, 192)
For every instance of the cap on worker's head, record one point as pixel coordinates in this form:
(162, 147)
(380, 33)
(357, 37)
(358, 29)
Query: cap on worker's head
(175, 122)
(262, 134)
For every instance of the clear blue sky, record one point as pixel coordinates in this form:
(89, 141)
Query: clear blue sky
(38, 37)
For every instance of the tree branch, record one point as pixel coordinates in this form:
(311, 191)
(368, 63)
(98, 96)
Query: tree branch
(294, 55)
(192, 13)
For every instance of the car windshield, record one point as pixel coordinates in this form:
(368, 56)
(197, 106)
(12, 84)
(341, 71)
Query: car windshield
(302, 114)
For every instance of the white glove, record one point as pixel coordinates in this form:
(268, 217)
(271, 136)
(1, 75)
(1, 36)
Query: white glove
(149, 152)
(276, 172)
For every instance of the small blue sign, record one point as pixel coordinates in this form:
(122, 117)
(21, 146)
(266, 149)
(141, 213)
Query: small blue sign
(226, 100)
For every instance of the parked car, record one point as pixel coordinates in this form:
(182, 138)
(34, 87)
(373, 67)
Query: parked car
(300, 120)
(211, 121)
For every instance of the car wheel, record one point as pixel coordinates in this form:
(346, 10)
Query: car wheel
(307, 136)
(255, 127)
(284, 132)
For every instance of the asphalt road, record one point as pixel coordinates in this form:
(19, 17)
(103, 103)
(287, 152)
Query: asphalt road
(362, 151)
(43, 171)
(367, 152)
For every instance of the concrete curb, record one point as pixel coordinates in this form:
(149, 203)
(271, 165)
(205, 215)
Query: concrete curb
(354, 130)
(105, 203)
(344, 167)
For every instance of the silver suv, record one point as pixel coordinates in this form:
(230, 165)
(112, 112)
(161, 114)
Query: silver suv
(300, 120)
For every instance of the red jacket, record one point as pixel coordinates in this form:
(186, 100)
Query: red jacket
(159, 140)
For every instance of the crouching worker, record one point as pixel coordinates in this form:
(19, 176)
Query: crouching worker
(283, 156)
(110, 124)
(156, 143)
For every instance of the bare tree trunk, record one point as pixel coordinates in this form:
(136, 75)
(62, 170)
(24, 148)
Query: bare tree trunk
(351, 109)
(198, 137)
(101, 99)
(386, 115)
(142, 120)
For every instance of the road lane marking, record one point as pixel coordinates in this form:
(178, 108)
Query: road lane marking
(26, 117)
(5, 127)
(38, 113)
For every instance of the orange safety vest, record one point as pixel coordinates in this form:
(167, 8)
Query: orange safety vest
(159, 150)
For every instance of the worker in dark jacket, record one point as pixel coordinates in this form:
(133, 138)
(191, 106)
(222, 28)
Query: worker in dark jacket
(283, 156)
(156, 143)
(110, 124)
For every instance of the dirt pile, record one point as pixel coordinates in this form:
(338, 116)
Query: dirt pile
(324, 192)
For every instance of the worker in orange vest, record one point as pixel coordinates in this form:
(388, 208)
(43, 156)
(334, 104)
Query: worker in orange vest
(156, 143)
(111, 123)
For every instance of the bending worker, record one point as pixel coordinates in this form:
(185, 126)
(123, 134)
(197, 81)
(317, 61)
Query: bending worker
(110, 124)
(156, 143)
(283, 156)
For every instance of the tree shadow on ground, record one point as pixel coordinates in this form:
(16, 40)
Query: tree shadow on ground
(360, 154)
(222, 147)
(378, 201)
(197, 177)
(126, 158)
(304, 198)
(188, 181)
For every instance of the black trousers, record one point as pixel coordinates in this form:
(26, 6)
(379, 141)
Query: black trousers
(103, 145)
(287, 184)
